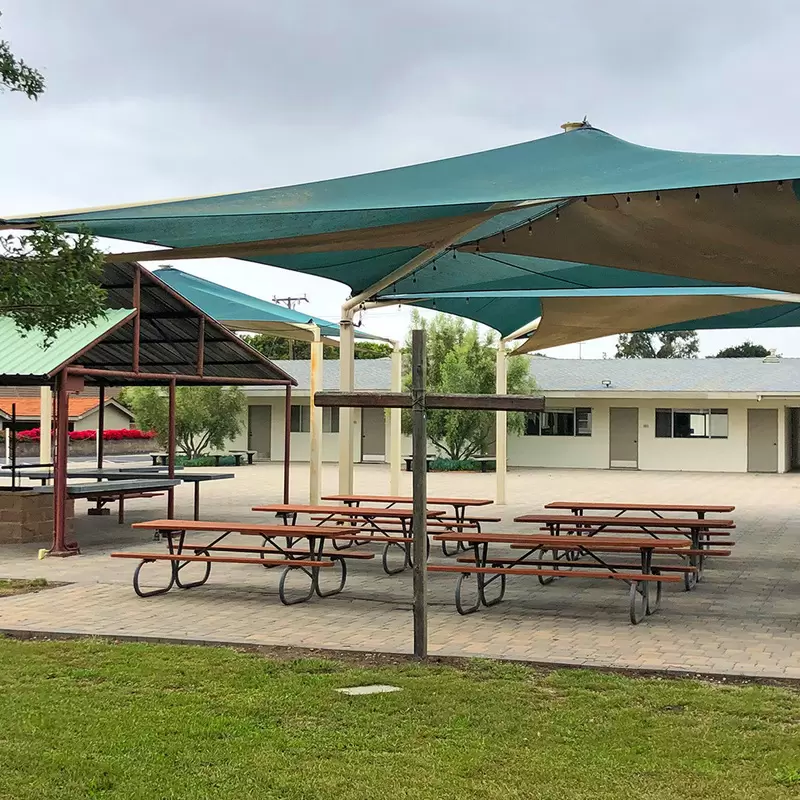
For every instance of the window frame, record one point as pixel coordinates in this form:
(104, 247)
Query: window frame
(534, 423)
(707, 413)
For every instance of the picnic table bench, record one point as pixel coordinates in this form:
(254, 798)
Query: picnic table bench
(250, 454)
(699, 531)
(273, 552)
(105, 492)
(657, 509)
(428, 459)
(486, 569)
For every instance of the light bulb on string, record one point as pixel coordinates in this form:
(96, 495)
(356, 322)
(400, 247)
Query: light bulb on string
(585, 199)
(558, 216)
(780, 186)
(477, 246)
(736, 191)
(454, 254)
(658, 198)
(434, 266)
(697, 197)
(433, 303)
(627, 198)
(530, 227)
(504, 237)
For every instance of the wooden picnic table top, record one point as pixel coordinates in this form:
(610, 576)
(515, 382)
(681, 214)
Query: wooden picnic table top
(347, 511)
(566, 542)
(627, 522)
(247, 528)
(388, 498)
(594, 506)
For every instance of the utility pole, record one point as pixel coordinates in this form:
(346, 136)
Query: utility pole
(290, 303)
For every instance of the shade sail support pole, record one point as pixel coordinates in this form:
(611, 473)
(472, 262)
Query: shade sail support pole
(101, 425)
(420, 493)
(501, 425)
(346, 384)
(45, 425)
(395, 420)
(315, 428)
(287, 442)
(172, 399)
(60, 546)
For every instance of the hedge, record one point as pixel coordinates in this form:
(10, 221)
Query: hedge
(34, 435)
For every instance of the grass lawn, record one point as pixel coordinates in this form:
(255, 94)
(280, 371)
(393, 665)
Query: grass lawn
(13, 586)
(93, 720)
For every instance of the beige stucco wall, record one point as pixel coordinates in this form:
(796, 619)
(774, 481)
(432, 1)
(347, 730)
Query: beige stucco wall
(705, 455)
(114, 420)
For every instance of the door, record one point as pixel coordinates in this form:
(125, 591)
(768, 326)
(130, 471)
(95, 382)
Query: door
(373, 434)
(624, 438)
(794, 438)
(762, 440)
(259, 431)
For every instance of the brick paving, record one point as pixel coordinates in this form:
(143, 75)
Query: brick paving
(742, 620)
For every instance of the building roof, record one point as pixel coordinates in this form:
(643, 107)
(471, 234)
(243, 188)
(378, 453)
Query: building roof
(370, 373)
(29, 407)
(667, 375)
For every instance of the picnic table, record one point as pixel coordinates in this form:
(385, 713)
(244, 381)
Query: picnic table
(486, 569)
(115, 491)
(276, 550)
(380, 524)
(699, 531)
(250, 454)
(195, 478)
(657, 509)
(458, 504)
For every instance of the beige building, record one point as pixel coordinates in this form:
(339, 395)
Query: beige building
(717, 415)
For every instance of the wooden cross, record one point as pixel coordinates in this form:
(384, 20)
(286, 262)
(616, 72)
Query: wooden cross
(419, 401)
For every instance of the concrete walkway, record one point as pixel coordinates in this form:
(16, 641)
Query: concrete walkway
(742, 620)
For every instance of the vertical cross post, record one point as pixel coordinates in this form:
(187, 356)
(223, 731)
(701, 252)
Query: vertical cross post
(419, 437)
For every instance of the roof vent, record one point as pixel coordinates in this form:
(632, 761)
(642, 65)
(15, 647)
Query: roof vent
(574, 126)
(772, 358)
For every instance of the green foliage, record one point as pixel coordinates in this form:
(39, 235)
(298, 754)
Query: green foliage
(665, 344)
(204, 461)
(205, 416)
(459, 361)
(744, 350)
(449, 465)
(134, 721)
(17, 76)
(49, 279)
(276, 347)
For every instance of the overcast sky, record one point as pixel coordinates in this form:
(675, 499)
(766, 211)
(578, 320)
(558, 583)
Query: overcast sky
(167, 98)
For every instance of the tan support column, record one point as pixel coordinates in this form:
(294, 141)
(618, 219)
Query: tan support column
(501, 433)
(315, 430)
(395, 431)
(46, 425)
(346, 384)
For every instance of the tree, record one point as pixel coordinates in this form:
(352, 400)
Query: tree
(205, 416)
(744, 350)
(665, 344)
(276, 347)
(17, 76)
(48, 279)
(459, 361)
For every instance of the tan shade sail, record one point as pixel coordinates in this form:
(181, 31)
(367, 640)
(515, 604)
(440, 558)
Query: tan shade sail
(568, 320)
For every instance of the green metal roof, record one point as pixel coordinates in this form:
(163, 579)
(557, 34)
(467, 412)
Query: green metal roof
(24, 355)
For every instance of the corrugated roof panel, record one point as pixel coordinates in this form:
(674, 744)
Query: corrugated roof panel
(24, 355)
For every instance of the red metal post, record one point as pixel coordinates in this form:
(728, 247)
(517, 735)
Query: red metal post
(101, 426)
(171, 449)
(60, 546)
(201, 345)
(137, 322)
(287, 443)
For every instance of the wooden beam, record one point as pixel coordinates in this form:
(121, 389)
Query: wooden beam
(472, 402)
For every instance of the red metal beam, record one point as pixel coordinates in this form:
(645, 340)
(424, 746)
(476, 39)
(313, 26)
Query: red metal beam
(137, 321)
(110, 374)
(171, 449)
(101, 425)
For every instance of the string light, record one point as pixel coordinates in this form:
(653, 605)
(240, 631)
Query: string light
(558, 216)
(504, 237)
(658, 198)
(780, 186)
(585, 199)
(628, 199)
(434, 266)
(454, 254)
(736, 191)
(434, 303)
(478, 246)
(530, 227)
(697, 197)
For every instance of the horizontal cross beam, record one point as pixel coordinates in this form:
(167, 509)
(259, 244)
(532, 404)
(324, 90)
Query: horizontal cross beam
(472, 402)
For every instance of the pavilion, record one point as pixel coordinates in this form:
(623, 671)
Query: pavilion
(150, 335)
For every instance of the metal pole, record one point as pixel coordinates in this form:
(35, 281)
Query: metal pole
(395, 430)
(101, 426)
(501, 426)
(45, 425)
(346, 384)
(419, 481)
(287, 442)
(137, 320)
(171, 449)
(315, 427)
(59, 547)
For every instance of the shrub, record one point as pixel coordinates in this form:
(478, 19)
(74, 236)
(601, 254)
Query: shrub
(34, 435)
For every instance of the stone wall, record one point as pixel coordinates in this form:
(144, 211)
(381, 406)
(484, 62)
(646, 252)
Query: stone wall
(28, 517)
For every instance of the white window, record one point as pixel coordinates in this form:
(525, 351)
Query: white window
(301, 419)
(330, 420)
(559, 422)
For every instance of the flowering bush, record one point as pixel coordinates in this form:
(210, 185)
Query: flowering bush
(34, 434)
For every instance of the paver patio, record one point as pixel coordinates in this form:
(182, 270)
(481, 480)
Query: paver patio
(742, 620)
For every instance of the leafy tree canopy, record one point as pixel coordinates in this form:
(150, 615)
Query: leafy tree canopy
(665, 344)
(276, 347)
(205, 416)
(460, 361)
(744, 350)
(16, 75)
